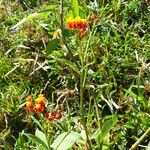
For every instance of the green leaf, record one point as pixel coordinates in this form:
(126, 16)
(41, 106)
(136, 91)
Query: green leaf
(75, 8)
(66, 140)
(37, 140)
(58, 140)
(106, 128)
(41, 136)
(52, 45)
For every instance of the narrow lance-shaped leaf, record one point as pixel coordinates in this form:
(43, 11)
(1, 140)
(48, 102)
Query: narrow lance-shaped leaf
(58, 140)
(42, 136)
(75, 8)
(66, 140)
(69, 141)
(106, 128)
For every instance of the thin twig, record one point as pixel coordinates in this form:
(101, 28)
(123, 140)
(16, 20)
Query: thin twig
(134, 146)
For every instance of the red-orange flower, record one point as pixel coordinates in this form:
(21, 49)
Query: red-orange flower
(38, 108)
(83, 23)
(29, 105)
(53, 113)
(46, 115)
(59, 114)
(76, 23)
(40, 100)
(70, 22)
(51, 118)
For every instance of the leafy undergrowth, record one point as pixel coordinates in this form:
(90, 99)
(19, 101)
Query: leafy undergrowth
(74, 75)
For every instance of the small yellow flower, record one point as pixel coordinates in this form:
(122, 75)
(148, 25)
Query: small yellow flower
(29, 105)
(40, 100)
(41, 95)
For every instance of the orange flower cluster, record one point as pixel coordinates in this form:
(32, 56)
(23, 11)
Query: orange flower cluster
(76, 23)
(53, 115)
(29, 103)
(39, 103)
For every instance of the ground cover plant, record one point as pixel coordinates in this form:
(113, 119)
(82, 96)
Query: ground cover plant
(74, 75)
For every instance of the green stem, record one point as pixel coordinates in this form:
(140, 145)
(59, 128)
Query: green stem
(85, 58)
(82, 110)
(84, 70)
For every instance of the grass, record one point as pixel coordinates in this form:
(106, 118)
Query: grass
(100, 81)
